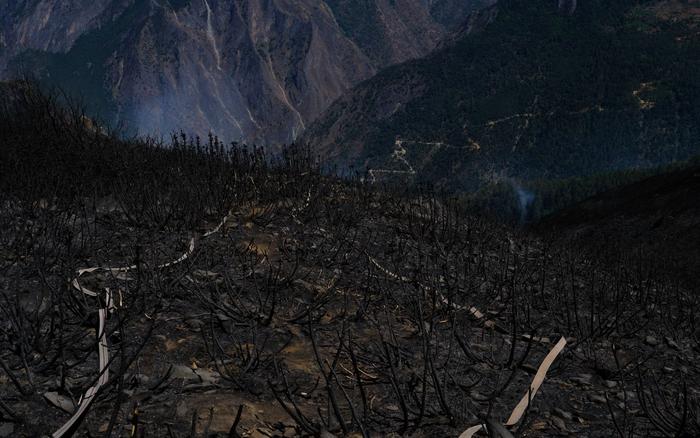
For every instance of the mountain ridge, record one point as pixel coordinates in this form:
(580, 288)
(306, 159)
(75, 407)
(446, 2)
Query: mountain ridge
(255, 70)
(540, 92)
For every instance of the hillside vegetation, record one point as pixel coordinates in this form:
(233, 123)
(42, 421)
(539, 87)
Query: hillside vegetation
(530, 92)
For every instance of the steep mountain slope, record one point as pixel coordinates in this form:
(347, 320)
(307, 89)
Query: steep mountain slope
(212, 292)
(659, 217)
(48, 25)
(259, 70)
(530, 89)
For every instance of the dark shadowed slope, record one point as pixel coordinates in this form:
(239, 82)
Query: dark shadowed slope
(659, 216)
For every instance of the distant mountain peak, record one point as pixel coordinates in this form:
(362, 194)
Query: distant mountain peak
(254, 70)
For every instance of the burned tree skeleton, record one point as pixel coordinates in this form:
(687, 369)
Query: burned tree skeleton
(260, 296)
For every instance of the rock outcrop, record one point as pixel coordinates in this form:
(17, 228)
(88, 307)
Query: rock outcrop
(256, 70)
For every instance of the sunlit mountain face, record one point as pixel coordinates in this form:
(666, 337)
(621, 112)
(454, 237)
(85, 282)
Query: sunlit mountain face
(252, 70)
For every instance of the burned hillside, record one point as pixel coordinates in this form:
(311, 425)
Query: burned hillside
(197, 288)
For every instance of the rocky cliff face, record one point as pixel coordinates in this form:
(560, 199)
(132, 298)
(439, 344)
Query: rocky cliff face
(256, 70)
(49, 25)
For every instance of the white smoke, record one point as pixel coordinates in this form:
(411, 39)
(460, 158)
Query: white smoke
(567, 6)
(525, 199)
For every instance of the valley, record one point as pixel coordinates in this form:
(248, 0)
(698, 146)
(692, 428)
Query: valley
(349, 218)
(528, 92)
(252, 71)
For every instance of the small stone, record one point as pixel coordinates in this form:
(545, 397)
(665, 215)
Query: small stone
(563, 414)
(222, 317)
(583, 379)
(476, 395)
(559, 424)
(208, 377)
(538, 425)
(184, 372)
(203, 273)
(651, 341)
(181, 410)
(60, 401)
(622, 395)
(671, 343)
(139, 379)
(195, 324)
(610, 383)
(597, 398)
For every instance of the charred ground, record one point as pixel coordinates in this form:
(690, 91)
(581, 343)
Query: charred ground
(319, 307)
